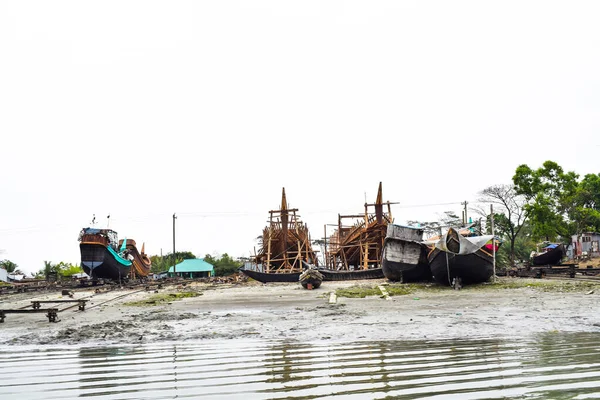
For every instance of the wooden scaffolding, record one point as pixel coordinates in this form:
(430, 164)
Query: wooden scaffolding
(285, 242)
(360, 245)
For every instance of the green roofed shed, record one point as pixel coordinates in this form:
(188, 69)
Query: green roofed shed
(192, 268)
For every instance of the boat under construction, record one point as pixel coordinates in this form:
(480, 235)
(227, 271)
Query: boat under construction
(355, 251)
(285, 247)
(103, 256)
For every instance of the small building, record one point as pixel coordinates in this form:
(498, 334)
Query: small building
(192, 268)
(160, 275)
(586, 243)
(15, 277)
(3, 275)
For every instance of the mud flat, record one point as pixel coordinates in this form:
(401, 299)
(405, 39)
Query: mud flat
(511, 308)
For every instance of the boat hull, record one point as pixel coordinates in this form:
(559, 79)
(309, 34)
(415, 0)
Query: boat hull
(405, 261)
(476, 267)
(98, 261)
(331, 275)
(141, 263)
(265, 277)
(311, 279)
(551, 257)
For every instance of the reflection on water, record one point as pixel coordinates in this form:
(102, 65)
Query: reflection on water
(546, 366)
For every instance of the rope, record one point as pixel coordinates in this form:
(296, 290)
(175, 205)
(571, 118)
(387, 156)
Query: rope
(448, 268)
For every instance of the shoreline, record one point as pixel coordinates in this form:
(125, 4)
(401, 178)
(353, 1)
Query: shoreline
(511, 308)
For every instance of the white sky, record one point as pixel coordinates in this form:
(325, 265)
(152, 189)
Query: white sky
(207, 108)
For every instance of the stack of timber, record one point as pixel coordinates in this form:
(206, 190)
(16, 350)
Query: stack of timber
(286, 246)
(404, 256)
(355, 251)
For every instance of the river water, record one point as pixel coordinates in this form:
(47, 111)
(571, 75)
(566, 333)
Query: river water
(547, 366)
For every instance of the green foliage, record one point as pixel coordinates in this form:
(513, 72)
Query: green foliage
(62, 269)
(163, 263)
(558, 204)
(400, 289)
(510, 217)
(224, 265)
(8, 265)
(357, 292)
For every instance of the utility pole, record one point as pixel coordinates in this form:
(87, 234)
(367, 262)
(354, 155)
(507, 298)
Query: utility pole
(493, 240)
(174, 258)
(465, 214)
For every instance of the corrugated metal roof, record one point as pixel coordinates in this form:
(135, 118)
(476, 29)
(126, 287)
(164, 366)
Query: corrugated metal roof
(193, 265)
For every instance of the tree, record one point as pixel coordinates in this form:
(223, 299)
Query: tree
(224, 265)
(550, 194)
(587, 200)
(62, 269)
(163, 263)
(510, 213)
(434, 228)
(558, 204)
(9, 266)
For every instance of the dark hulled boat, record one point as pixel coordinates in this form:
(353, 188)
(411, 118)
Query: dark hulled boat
(552, 254)
(311, 279)
(265, 277)
(467, 258)
(351, 275)
(101, 256)
(404, 256)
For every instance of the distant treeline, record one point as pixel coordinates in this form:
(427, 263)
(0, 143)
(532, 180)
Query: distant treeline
(224, 264)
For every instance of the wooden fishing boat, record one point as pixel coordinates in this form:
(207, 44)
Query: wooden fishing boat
(103, 256)
(141, 261)
(311, 279)
(552, 254)
(286, 245)
(265, 277)
(355, 251)
(404, 256)
(351, 275)
(455, 259)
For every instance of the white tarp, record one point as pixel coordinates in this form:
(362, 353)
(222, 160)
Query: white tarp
(467, 245)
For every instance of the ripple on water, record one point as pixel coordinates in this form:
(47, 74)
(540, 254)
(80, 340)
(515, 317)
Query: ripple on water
(545, 366)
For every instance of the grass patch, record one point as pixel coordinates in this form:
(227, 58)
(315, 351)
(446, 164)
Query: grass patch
(400, 290)
(357, 292)
(543, 285)
(162, 298)
(364, 291)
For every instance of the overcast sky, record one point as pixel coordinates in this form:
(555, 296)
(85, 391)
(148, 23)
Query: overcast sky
(142, 109)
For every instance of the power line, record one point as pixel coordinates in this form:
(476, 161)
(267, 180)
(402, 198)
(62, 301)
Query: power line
(205, 214)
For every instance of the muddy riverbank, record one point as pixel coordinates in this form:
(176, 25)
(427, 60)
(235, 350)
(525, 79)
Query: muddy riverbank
(510, 308)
